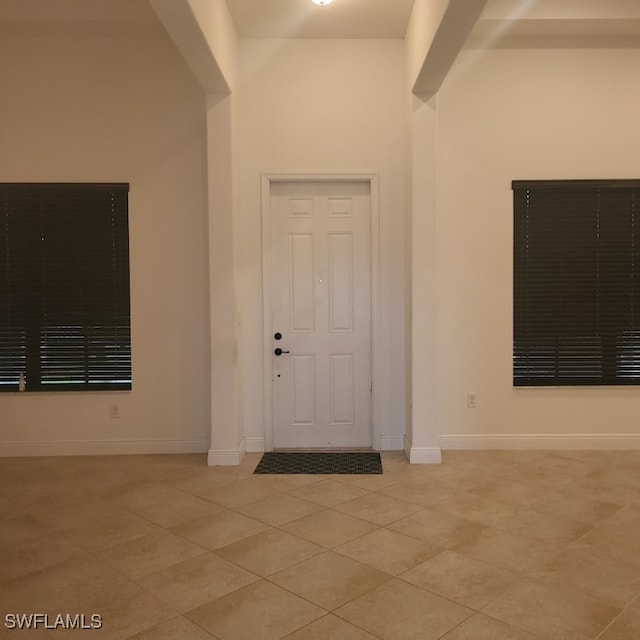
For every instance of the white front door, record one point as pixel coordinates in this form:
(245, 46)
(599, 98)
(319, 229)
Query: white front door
(321, 314)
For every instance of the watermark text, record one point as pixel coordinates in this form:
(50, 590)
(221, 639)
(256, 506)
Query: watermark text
(53, 621)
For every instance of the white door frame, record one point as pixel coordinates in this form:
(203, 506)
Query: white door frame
(372, 180)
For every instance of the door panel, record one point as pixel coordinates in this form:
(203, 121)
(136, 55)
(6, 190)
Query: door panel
(301, 289)
(321, 304)
(343, 400)
(341, 282)
(303, 390)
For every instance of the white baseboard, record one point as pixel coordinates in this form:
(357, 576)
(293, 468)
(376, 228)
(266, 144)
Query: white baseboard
(254, 444)
(425, 455)
(562, 441)
(101, 447)
(391, 443)
(226, 457)
(422, 455)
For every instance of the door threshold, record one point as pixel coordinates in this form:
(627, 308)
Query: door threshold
(324, 450)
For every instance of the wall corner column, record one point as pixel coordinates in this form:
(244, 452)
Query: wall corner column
(227, 440)
(422, 444)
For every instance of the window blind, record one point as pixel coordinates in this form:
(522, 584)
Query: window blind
(576, 282)
(64, 286)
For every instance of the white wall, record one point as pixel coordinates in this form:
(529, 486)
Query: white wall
(520, 114)
(319, 106)
(127, 110)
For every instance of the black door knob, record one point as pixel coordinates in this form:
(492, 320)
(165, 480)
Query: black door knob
(279, 351)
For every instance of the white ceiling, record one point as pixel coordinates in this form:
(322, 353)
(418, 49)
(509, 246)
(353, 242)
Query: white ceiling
(303, 19)
(504, 23)
(557, 24)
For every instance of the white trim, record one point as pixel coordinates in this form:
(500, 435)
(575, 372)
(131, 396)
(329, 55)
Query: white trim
(391, 443)
(226, 457)
(407, 446)
(425, 455)
(557, 441)
(266, 311)
(101, 447)
(254, 444)
(376, 333)
(377, 408)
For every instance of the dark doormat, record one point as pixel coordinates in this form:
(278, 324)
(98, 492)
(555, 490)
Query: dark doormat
(320, 462)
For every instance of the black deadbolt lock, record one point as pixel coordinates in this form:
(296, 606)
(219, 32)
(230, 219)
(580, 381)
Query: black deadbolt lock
(277, 336)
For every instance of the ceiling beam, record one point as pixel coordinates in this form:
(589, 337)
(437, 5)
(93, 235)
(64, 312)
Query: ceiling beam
(458, 20)
(201, 49)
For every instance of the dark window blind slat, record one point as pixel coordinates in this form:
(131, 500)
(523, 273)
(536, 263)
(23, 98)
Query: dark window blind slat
(64, 286)
(576, 283)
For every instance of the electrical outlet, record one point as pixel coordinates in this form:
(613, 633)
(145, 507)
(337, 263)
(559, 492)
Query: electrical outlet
(471, 400)
(114, 411)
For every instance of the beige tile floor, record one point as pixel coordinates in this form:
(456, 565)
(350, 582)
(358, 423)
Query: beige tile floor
(487, 546)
